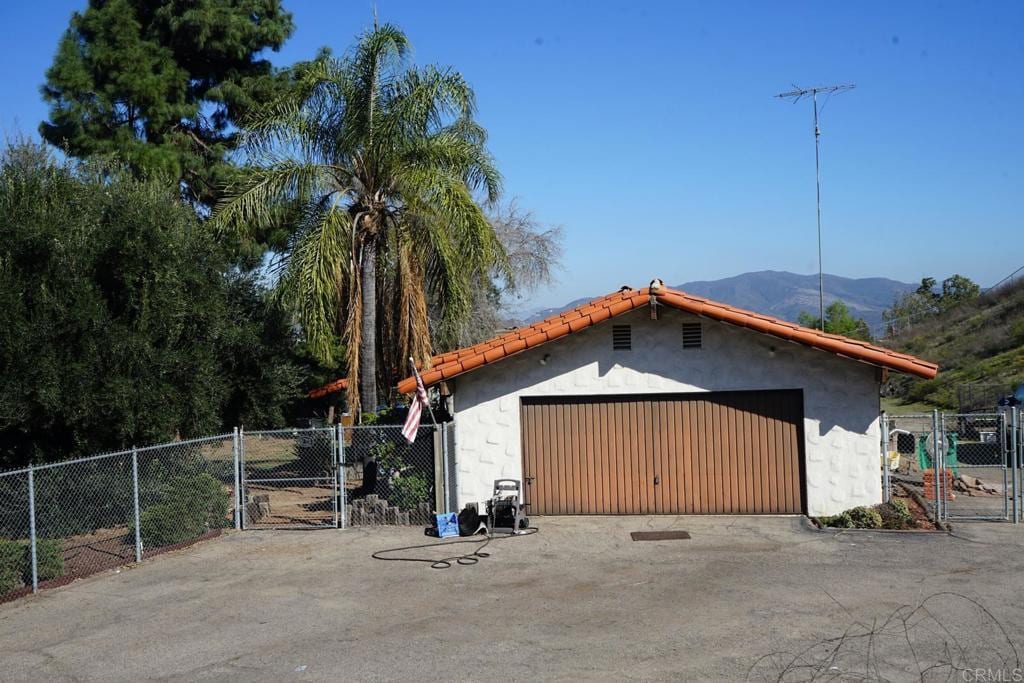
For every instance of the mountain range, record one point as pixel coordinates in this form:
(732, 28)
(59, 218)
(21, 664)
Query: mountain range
(784, 295)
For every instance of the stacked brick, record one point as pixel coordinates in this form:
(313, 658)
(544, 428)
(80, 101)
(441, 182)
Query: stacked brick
(376, 511)
(929, 484)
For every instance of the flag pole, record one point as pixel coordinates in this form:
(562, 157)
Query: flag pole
(419, 382)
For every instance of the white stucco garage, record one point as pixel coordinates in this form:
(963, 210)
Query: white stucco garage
(696, 408)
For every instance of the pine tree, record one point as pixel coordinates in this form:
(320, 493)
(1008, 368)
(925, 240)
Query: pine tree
(161, 84)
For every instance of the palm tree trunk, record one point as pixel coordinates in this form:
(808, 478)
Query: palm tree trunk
(368, 325)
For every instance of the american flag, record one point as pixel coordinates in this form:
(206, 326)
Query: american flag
(419, 402)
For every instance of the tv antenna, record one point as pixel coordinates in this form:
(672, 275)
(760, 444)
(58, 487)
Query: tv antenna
(796, 95)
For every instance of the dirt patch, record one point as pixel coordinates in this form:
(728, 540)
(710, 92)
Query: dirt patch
(103, 550)
(295, 505)
(922, 520)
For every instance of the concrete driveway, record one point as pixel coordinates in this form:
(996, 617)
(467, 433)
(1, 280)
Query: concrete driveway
(745, 597)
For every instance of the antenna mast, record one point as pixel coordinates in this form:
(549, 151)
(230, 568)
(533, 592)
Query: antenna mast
(796, 95)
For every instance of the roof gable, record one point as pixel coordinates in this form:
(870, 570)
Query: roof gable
(448, 365)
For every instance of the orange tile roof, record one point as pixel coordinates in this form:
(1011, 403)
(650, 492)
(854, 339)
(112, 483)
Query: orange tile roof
(330, 388)
(448, 365)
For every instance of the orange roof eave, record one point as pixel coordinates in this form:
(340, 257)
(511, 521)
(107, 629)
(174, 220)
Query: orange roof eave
(454, 363)
(330, 388)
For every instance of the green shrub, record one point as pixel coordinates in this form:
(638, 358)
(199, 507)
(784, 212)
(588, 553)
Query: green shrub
(864, 517)
(16, 562)
(896, 515)
(409, 491)
(169, 523)
(840, 521)
(207, 496)
(183, 508)
(12, 565)
(49, 560)
(901, 507)
(388, 459)
(892, 515)
(1017, 331)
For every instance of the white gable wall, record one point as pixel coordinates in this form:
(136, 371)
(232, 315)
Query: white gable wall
(841, 406)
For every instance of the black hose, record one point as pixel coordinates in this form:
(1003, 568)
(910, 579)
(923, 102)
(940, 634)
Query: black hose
(446, 562)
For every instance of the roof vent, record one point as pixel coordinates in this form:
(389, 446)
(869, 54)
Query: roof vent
(692, 335)
(622, 337)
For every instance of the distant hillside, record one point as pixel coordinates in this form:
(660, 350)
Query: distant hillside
(785, 295)
(979, 342)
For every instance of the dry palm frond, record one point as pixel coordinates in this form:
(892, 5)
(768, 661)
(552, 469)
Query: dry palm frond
(372, 153)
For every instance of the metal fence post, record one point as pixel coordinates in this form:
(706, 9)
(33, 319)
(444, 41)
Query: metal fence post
(936, 459)
(438, 447)
(454, 443)
(1002, 433)
(335, 467)
(1017, 459)
(32, 527)
(342, 503)
(238, 491)
(886, 483)
(944, 483)
(444, 466)
(1018, 432)
(135, 498)
(241, 474)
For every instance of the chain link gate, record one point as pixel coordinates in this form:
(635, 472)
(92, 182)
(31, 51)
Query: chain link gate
(976, 467)
(967, 466)
(289, 478)
(907, 448)
(334, 477)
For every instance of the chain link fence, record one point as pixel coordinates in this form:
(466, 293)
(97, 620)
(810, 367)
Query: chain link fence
(186, 492)
(342, 476)
(389, 480)
(15, 549)
(67, 520)
(967, 466)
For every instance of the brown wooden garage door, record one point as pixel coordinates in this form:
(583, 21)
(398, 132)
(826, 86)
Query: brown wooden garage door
(710, 453)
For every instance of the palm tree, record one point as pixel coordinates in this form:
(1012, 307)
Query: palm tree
(378, 171)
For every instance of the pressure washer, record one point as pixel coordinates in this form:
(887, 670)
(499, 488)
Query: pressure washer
(505, 508)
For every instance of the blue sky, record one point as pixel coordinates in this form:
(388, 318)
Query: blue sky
(650, 134)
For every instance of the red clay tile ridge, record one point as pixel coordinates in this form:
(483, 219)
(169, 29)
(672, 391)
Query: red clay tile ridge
(454, 363)
(330, 388)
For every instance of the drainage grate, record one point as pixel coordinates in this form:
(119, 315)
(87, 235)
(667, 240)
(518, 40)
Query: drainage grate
(659, 535)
